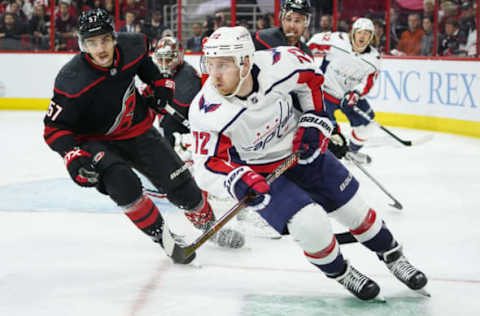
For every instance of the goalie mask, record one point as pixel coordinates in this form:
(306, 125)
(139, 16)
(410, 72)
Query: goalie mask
(168, 55)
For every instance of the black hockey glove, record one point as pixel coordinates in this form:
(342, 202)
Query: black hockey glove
(80, 166)
(312, 136)
(338, 144)
(350, 99)
(163, 93)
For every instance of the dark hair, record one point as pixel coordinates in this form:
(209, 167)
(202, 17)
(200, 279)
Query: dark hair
(452, 21)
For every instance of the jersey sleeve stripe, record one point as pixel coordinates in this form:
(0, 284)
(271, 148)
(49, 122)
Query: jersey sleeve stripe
(286, 78)
(314, 82)
(257, 37)
(220, 162)
(76, 95)
(369, 85)
(51, 134)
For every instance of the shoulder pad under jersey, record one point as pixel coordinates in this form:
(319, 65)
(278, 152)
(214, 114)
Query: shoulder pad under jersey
(268, 38)
(210, 111)
(133, 46)
(75, 77)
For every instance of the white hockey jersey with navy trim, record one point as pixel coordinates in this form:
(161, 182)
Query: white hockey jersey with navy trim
(257, 131)
(344, 69)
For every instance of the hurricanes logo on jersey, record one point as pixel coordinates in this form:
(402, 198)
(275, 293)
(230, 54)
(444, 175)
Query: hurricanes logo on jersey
(207, 107)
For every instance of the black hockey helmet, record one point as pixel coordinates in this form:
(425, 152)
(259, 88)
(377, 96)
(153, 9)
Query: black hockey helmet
(300, 6)
(94, 22)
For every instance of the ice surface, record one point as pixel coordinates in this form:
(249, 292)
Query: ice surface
(69, 251)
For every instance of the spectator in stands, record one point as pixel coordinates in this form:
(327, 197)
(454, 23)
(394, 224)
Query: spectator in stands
(467, 17)
(97, 4)
(39, 27)
(471, 46)
(65, 25)
(194, 44)
(427, 38)
(263, 22)
(410, 42)
(219, 20)
(14, 8)
(428, 7)
(110, 7)
(342, 26)
(380, 34)
(326, 23)
(26, 7)
(452, 40)
(448, 9)
(208, 26)
(153, 27)
(396, 28)
(244, 23)
(10, 32)
(133, 6)
(130, 25)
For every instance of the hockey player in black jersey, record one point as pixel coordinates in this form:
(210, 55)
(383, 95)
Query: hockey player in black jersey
(98, 122)
(168, 57)
(295, 18)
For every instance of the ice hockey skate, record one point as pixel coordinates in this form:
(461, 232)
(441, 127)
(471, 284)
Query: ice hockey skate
(403, 270)
(359, 284)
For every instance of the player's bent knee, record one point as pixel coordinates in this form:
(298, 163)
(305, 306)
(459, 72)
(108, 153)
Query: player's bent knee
(364, 222)
(187, 196)
(121, 184)
(310, 227)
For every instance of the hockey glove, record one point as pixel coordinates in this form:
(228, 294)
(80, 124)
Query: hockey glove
(242, 182)
(79, 165)
(338, 144)
(163, 93)
(312, 136)
(350, 99)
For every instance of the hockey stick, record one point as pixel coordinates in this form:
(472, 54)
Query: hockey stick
(177, 116)
(396, 204)
(402, 141)
(182, 253)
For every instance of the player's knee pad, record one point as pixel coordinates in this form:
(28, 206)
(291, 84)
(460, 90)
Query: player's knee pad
(363, 222)
(121, 184)
(187, 196)
(311, 229)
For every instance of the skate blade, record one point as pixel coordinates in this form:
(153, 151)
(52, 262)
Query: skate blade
(423, 292)
(379, 299)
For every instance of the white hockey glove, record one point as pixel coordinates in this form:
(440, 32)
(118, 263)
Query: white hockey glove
(183, 145)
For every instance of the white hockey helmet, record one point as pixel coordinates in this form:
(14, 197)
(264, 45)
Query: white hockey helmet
(230, 42)
(233, 42)
(363, 24)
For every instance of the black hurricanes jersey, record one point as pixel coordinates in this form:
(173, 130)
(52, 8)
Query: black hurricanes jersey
(274, 37)
(95, 103)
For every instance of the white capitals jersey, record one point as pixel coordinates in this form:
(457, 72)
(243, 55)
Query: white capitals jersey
(344, 69)
(258, 130)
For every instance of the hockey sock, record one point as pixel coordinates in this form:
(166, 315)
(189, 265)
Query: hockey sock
(145, 215)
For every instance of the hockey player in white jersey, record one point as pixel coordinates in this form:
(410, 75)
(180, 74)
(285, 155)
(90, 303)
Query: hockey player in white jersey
(257, 108)
(350, 64)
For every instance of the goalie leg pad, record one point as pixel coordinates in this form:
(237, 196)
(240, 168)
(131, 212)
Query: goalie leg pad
(311, 229)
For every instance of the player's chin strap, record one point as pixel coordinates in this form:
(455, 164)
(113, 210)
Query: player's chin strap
(242, 78)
